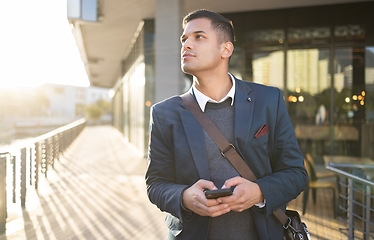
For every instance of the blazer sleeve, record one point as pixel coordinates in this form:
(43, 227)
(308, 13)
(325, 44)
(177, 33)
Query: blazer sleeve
(160, 175)
(289, 177)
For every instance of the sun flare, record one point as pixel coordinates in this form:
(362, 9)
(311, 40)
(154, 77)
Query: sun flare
(38, 46)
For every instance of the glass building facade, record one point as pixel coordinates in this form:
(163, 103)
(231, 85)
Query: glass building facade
(133, 94)
(322, 58)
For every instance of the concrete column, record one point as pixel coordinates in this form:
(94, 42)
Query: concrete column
(168, 29)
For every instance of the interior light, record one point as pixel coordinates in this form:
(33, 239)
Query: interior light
(301, 99)
(362, 102)
(298, 90)
(363, 93)
(347, 99)
(354, 97)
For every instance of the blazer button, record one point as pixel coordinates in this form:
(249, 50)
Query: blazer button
(249, 99)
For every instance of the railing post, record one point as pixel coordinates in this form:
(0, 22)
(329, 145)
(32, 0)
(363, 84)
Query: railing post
(14, 163)
(351, 230)
(61, 143)
(38, 154)
(30, 166)
(56, 151)
(51, 160)
(44, 159)
(23, 176)
(3, 203)
(367, 212)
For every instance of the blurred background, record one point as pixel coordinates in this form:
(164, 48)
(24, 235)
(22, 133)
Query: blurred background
(43, 82)
(319, 53)
(109, 61)
(65, 64)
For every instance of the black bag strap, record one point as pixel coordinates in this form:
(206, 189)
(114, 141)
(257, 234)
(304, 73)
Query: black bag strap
(227, 150)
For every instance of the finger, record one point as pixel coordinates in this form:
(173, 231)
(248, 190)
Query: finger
(228, 199)
(239, 207)
(205, 184)
(233, 182)
(218, 210)
(207, 202)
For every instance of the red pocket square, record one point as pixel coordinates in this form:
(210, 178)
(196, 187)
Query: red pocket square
(262, 131)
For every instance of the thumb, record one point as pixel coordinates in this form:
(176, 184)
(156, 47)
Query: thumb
(205, 184)
(232, 182)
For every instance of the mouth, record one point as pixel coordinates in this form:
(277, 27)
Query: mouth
(187, 55)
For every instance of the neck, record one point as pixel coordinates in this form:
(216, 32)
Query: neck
(215, 87)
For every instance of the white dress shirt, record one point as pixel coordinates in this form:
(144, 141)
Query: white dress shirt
(202, 99)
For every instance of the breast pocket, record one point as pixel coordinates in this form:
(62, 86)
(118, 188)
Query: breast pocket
(259, 140)
(256, 148)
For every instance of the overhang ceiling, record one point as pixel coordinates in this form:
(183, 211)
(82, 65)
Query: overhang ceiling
(104, 44)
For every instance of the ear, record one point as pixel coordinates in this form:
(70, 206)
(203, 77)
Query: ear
(227, 49)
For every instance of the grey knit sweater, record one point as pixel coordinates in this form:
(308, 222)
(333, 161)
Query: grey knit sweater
(232, 225)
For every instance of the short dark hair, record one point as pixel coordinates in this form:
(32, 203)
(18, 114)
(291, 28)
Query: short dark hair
(223, 25)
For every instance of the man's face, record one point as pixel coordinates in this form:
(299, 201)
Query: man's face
(200, 50)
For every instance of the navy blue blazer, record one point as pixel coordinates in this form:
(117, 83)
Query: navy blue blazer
(177, 158)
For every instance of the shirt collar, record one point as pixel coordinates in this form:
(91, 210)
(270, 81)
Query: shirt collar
(202, 99)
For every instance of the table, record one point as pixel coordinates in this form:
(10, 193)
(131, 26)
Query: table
(349, 162)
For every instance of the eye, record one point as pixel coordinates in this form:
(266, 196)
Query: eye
(199, 36)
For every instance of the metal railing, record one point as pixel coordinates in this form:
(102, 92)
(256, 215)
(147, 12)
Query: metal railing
(356, 199)
(22, 164)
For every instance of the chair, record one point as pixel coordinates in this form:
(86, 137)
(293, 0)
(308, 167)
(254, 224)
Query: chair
(320, 175)
(314, 184)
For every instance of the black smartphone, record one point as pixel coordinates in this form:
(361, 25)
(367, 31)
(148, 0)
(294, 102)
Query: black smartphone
(213, 194)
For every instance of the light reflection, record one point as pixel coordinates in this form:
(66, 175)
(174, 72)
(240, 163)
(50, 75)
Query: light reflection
(294, 98)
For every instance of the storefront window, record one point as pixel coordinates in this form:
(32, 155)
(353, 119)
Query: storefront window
(348, 112)
(268, 68)
(367, 138)
(322, 59)
(369, 84)
(308, 84)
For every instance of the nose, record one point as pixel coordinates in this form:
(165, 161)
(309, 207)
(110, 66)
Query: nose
(186, 45)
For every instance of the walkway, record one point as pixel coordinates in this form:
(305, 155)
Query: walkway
(97, 191)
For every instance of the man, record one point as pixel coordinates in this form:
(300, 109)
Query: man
(184, 161)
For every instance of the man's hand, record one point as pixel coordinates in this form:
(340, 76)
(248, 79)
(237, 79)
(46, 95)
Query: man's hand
(246, 194)
(194, 199)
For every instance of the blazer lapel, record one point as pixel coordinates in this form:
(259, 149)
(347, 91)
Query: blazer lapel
(195, 138)
(244, 107)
